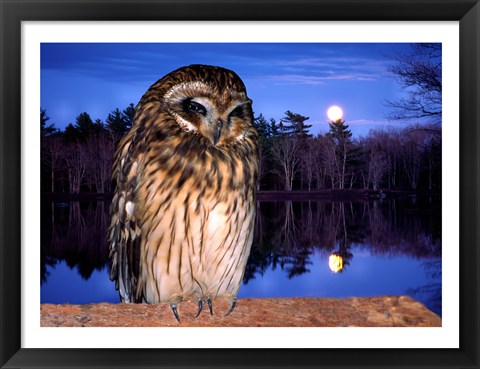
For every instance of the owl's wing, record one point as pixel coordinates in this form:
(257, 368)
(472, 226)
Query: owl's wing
(124, 232)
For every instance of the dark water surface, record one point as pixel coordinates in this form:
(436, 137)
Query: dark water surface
(388, 247)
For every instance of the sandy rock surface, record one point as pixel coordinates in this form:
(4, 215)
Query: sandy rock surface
(387, 311)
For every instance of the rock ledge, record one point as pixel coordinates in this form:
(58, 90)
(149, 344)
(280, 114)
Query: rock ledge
(385, 311)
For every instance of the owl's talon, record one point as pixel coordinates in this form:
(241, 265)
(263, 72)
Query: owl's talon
(210, 307)
(175, 311)
(200, 307)
(232, 306)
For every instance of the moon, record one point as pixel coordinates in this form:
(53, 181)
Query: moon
(334, 113)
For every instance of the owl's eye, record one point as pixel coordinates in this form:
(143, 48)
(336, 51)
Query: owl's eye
(237, 112)
(194, 107)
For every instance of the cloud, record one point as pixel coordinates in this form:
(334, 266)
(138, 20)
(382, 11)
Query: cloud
(319, 70)
(310, 79)
(381, 122)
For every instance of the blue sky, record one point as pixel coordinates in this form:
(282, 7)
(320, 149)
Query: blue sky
(305, 78)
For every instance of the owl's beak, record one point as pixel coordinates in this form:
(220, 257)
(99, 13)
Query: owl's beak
(218, 132)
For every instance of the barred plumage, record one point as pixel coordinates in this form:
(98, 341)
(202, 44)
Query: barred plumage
(182, 215)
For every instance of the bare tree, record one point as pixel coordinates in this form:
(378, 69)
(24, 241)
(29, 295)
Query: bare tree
(420, 75)
(319, 170)
(52, 152)
(263, 153)
(308, 159)
(377, 165)
(76, 162)
(330, 162)
(285, 154)
(433, 152)
(99, 150)
(393, 149)
(375, 158)
(411, 154)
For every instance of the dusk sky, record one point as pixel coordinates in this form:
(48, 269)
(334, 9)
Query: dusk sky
(306, 78)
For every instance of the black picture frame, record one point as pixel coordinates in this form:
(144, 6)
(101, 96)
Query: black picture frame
(467, 12)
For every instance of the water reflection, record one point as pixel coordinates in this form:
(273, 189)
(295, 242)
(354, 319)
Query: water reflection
(288, 232)
(294, 242)
(74, 232)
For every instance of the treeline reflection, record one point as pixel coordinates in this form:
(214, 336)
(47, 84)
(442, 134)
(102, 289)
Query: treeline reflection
(287, 233)
(74, 232)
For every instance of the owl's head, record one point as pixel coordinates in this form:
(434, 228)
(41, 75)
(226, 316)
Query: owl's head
(211, 101)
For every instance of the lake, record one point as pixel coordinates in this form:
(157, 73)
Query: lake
(316, 248)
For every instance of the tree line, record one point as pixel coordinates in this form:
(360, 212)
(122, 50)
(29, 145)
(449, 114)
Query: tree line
(79, 158)
(407, 158)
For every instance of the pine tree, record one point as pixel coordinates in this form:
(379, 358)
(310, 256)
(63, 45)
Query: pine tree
(283, 130)
(262, 127)
(85, 127)
(274, 129)
(44, 118)
(339, 131)
(70, 134)
(116, 124)
(128, 114)
(293, 123)
(265, 142)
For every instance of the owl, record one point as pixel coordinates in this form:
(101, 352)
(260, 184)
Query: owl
(183, 211)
